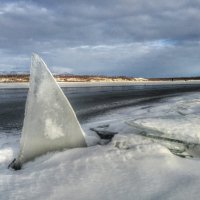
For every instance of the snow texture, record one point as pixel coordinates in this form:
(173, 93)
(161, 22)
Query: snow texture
(50, 123)
(132, 166)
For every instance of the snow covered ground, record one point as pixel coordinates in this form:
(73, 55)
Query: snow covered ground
(141, 161)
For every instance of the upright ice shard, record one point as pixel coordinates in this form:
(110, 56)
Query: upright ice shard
(50, 123)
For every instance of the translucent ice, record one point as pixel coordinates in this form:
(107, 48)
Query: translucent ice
(50, 123)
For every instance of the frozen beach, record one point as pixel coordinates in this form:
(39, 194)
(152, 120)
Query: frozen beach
(155, 154)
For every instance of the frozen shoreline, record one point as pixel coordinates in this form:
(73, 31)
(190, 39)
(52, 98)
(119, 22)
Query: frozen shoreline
(138, 167)
(109, 84)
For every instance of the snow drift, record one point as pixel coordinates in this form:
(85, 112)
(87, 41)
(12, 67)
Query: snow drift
(130, 167)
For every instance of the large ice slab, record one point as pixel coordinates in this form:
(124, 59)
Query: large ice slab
(50, 123)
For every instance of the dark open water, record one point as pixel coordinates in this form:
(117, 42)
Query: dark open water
(87, 101)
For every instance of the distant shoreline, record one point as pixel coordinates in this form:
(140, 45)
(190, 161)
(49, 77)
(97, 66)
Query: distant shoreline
(108, 84)
(92, 79)
(69, 78)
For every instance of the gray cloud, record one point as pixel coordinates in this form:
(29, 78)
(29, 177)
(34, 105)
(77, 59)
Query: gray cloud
(121, 37)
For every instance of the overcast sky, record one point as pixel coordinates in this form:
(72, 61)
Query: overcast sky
(139, 38)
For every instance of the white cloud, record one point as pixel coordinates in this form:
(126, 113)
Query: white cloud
(125, 37)
(22, 8)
